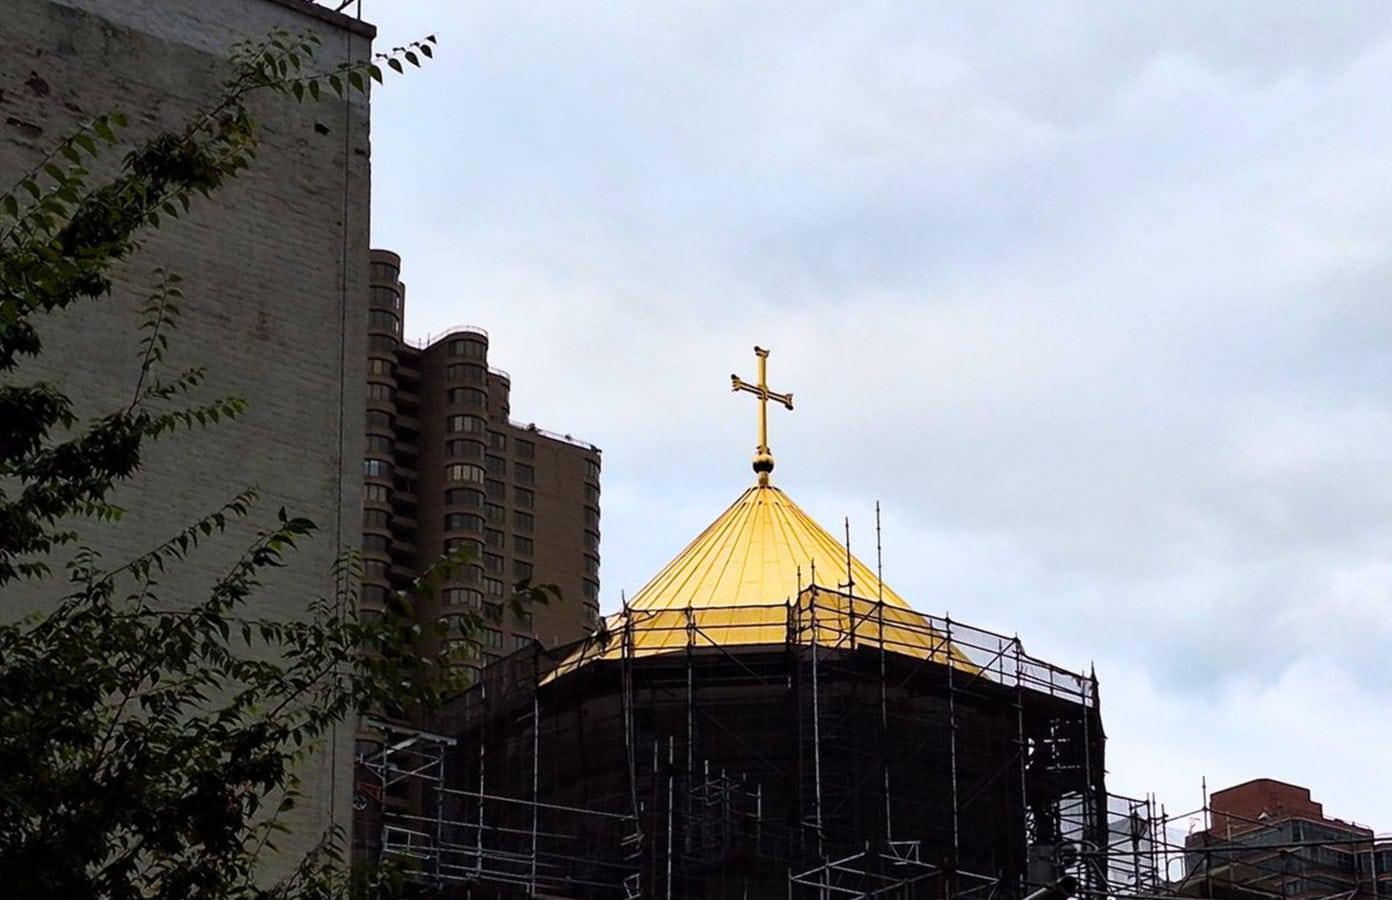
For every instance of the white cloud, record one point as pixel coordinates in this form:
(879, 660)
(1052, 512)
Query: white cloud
(1093, 298)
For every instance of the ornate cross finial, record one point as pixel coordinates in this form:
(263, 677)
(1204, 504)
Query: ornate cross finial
(763, 459)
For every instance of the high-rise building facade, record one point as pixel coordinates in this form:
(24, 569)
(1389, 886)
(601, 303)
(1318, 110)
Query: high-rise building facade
(1272, 839)
(447, 468)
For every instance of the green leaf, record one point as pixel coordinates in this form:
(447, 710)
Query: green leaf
(395, 64)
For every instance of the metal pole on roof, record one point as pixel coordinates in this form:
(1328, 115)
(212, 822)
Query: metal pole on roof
(884, 698)
(952, 741)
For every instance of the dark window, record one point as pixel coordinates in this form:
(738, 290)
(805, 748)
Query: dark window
(379, 367)
(375, 568)
(496, 489)
(379, 443)
(495, 514)
(526, 449)
(591, 518)
(591, 565)
(592, 469)
(492, 562)
(376, 518)
(467, 597)
(463, 497)
(522, 544)
(463, 450)
(463, 522)
(496, 465)
(521, 569)
(468, 374)
(385, 297)
(521, 641)
(374, 594)
(382, 343)
(379, 419)
(591, 590)
(592, 494)
(377, 468)
(494, 539)
(467, 397)
(463, 546)
(383, 321)
(523, 498)
(523, 521)
(497, 440)
(378, 542)
(466, 425)
(376, 493)
(468, 348)
(377, 391)
(491, 637)
(591, 540)
(524, 474)
(380, 271)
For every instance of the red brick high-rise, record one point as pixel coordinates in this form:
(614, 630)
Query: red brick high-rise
(447, 467)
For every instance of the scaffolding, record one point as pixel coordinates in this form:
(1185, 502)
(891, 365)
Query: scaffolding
(842, 762)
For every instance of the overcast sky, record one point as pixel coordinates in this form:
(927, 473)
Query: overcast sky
(1094, 298)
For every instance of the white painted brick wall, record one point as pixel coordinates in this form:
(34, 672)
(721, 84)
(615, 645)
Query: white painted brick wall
(275, 277)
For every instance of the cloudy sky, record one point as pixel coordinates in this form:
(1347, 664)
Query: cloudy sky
(1092, 297)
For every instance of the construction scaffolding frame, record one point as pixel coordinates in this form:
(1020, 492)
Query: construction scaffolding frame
(846, 761)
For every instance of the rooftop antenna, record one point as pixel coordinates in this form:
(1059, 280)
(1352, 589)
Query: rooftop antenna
(850, 579)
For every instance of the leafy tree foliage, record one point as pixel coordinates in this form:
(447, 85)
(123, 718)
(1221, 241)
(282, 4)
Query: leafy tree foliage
(149, 740)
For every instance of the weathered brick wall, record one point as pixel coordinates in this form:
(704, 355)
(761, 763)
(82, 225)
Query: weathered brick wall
(275, 277)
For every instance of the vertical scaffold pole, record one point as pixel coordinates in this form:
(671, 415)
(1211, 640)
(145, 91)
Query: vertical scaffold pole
(536, 766)
(671, 761)
(816, 732)
(690, 689)
(1023, 744)
(952, 744)
(483, 745)
(884, 696)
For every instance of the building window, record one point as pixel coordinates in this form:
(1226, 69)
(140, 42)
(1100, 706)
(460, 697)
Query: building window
(526, 449)
(523, 498)
(377, 542)
(383, 321)
(463, 522)
(592, 469)
(522, 544)
(592, 494)
(493, 538)
(379, 443)
(467, 397)
(591, 590)
(379, 367)
(381, 343)
(463, 450)
(466, 425)
(377, 391)
(524, 618)
(465, 597)
(377, 468)
(523, 521)
(380, 271)
(524, 474)
(496, 490)
(374, 594)
(591, 566)
(464, 472)
(491, 638)
(496, 465)
(463, 497)
(591, 518)
(376, 493)
(497, 440)
(492, 562)
(493, 587)
(468, 546)
(468, 348)
(521, 569)
(385, 297)
(591, 540)
(521, 641)
(495, 514)
(379, 420)
(376, 518)
(468, 374)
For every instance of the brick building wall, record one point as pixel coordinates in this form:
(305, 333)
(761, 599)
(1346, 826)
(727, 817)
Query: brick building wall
(275, 282)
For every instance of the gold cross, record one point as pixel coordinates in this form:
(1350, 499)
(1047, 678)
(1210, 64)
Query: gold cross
(763, 459)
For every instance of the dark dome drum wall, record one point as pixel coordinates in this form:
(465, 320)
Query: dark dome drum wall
(749, 726)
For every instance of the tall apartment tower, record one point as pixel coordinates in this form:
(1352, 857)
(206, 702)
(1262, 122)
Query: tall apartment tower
(446, 468)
